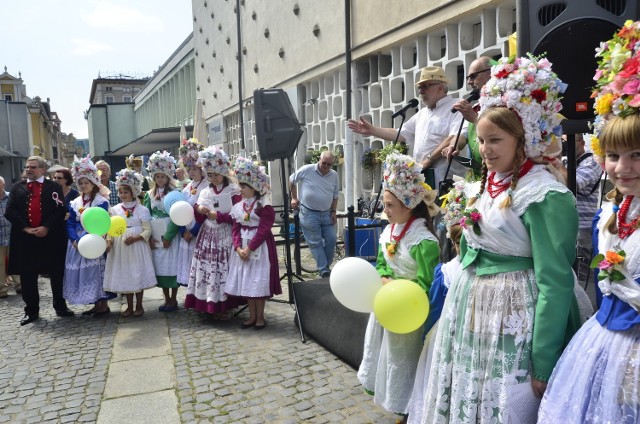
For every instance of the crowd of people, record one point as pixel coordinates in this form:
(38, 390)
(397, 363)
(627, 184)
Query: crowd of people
(225, 257)
(511, 335)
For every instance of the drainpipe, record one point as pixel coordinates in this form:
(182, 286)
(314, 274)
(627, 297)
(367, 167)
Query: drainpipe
(106, 108)
(240, 107)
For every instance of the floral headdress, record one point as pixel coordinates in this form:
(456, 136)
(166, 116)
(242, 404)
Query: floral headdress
(454, 205)
(84, 168)
(189, 150)
(214, 159)
(162, 163)
(529, 87)
(130, 178)
(617, 91)
(250, 173)
(403, 177)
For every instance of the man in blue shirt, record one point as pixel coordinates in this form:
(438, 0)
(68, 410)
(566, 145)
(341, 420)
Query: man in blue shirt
(317, 205)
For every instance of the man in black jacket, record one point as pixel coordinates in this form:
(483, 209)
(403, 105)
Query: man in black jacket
(36, 210)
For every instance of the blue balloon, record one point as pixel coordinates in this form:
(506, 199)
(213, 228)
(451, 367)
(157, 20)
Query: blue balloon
(171, 198)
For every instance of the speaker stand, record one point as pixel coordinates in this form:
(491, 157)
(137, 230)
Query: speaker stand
(289, 275)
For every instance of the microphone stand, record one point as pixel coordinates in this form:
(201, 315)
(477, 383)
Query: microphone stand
(446, 185)
(375, 204)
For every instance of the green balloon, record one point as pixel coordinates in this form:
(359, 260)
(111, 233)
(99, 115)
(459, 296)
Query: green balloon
(96, 220)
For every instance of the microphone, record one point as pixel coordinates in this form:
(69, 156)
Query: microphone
(412, 103)
(471, 97)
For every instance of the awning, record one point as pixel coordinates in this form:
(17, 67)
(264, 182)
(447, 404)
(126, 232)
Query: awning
(157, 139)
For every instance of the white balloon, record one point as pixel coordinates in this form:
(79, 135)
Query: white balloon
(181, 213)
(92, 246)
(355, 282)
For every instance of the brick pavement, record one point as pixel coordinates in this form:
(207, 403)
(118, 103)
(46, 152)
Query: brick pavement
(56, 369)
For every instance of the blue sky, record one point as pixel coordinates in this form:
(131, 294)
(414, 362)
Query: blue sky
(61, 46)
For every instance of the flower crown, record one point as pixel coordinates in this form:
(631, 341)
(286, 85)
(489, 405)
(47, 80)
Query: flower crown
(617, 77)
(130, 178)
(252, 174)
(84, 168)
(162, 163)
(214, 159)
(403, 177)
(529, 87)
(189, 150)
(454, 203)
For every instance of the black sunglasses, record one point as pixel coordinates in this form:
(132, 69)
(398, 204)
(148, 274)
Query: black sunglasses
(475, 74)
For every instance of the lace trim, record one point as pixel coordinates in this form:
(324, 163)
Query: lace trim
(533, 188)
(451, 270)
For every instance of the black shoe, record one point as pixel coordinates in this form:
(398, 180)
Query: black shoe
(28, 319)
(325, 274)
(66, 312)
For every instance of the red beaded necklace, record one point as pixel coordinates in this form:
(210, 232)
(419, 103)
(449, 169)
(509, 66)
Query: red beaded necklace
(626, 229)
(391, 248)
(128, 212)
(494, 188)
(84, 204)
(247, 210)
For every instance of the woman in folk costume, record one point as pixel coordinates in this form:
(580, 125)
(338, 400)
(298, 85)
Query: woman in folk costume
(597, 379)
(253, 268)
(210, 265)
(444, 274)
(408, 250)
(83, 277)
(507, 318)
(129, 268)
(163, 231)
(189, 150)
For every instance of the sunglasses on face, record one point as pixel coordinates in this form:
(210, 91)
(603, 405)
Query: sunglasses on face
(475, 74)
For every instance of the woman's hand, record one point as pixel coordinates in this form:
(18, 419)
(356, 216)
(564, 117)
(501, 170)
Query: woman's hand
(187, 236)
(152, 243)
(244, 253)
(538, 387)
(212, 215)
(166, 243)
(75, 244)
(132, 239)
(203, 210)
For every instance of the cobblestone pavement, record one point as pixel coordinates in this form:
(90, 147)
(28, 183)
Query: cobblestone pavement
(56, 369)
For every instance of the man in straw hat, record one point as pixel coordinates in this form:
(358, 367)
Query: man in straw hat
(430, 130)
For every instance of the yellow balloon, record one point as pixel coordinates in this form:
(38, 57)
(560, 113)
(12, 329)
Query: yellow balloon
(401, 306)
(118, 226)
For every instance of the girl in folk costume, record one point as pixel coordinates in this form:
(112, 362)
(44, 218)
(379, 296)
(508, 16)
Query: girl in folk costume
(507, 318)
(83, 277)
(165, 253)
(253, 269)
(597, 379)
(408, 250)
(210, 265)
(135, 163)
(189, 156)
(444, 274)
(129, 268)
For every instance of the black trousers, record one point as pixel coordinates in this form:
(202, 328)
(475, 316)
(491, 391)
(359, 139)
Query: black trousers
(31, 296)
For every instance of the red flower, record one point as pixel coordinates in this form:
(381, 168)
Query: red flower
(539, 95)
(630, 67)
(502, 74)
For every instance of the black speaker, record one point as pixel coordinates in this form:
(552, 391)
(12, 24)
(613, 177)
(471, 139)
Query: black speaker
(569, 32)
(277, 128)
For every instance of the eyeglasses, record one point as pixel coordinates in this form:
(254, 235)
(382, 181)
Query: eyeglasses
(475, 74)
(425, 87)
(327, 163)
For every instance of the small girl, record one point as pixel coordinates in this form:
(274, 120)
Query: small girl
(129, 269)
(83, 277)
(408, 250)
(210, 265)
(253, 270)
(597, 379)
(165, 253)
(189, 157)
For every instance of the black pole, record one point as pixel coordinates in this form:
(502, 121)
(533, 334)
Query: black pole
(571, 162)
(240, 107)
(351, 233)
(296, 238)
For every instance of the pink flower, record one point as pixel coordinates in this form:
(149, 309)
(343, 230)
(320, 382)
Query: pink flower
(475, 216)
(631, 87)
(635, 102)
(605, 265)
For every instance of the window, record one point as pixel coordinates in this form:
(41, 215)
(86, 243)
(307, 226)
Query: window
(108, 89)
(108, 99)
(8, 97)
(126, 99)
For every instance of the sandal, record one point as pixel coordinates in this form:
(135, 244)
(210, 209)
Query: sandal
(126, 313)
